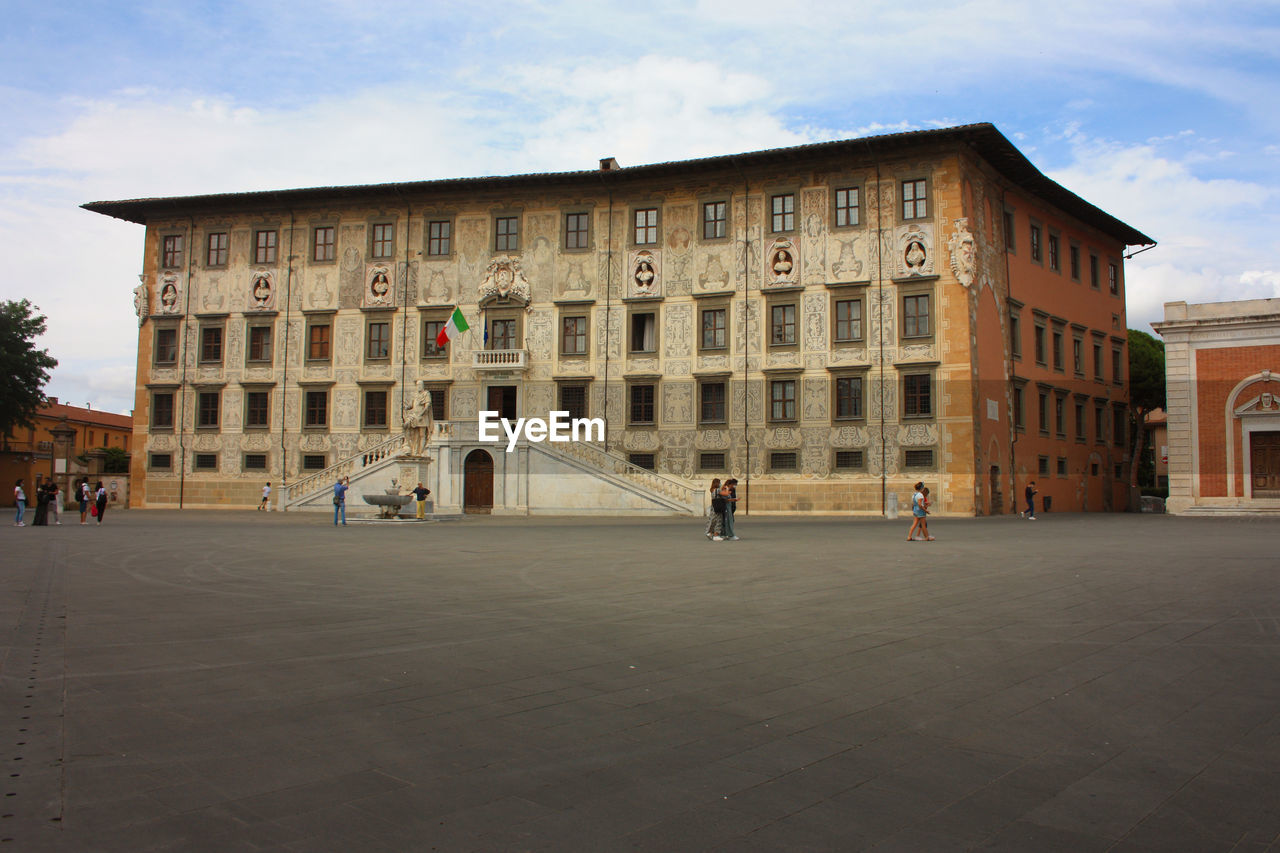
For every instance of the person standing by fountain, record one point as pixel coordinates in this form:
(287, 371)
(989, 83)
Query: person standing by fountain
(420, 495)
(340, 500)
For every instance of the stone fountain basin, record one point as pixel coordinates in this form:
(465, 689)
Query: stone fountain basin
(387, 500)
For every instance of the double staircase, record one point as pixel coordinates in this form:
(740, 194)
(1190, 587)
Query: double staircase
(614, 485)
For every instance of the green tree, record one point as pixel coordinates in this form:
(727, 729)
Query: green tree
(24, 370)
(115, 460)
(1146, 391)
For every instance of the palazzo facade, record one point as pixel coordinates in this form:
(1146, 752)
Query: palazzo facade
(829, 323)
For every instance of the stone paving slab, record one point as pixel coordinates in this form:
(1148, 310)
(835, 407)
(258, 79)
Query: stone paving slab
(185, 681)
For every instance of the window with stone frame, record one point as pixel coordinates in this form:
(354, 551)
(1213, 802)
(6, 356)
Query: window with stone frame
(323, 245)
(715, 328)
(1099, 424)
(314, 462)
(439, 238)
(641, 409)
(573, 335)
(848, 397)
(1073, 254)
(647, 461)
(1015, 336)
(378, 340)
(1019, 408)
(1077, 355)
(1113, 279)
(315, 409)
(782, 399)
(782, 213)
(1097, 362)
(784, 460)
(1042, 357)
(1117, 365)
(917, 457)
(439, 402)
(166, 350)
(264, 246)
(713, 461)
(259, 349)
(430, 335)
(1060, 414)
(217, 249)
(848, 211)
(1057, 350)
(577, 230)
(917, 395)
(573, 399)
(211, 344)
(375, 408)
(160, 461)
(208, 409)
(915, 199)
(162, 410)
(782, 324)
(318, 341)
(255, 462)
(503, 333)
(848, 318)
(646, 226)
(1034, 243)
(712, 401)
(1054, 259)
(506, 233)
(1043, 412)
(849, 460)
(171, 253)
(382, 242)
(1093, 272)
(644, 332)
(257, 409)
(1079, 420)
(915, 315)
(715, 220)
(205, 462)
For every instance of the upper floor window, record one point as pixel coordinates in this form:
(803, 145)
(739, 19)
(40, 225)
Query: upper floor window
(315, 411)
(1053, 253)
(257, 408)
(1035, 243)
(375, 409)
(1113, 279)
(573, 399)
(782, 400)
(915, 316)
(259, 343)
(318, 342)
(573, 336)
(1073, 254)
(502, 333)
(646, 226)
(915, 199)
(782, 209)
(379, 340)
(714, 323)
(207, 406)
(1093, 271)
(218, 245)
(715, 215)
(264, 247)
(506, 233)
(1041, 357)
(172, 254)
(162, 410)
(430, 335)
(848, 397)
(211, 344)
(917, 395)
(576, 230)
(323, 246)
(644, 332)
(847, 207)
(384, 240)
(782, 325)
(642, 397)
(711, 402)
(1015, 336)
(439, 238)
(849, 320)
(166, 345)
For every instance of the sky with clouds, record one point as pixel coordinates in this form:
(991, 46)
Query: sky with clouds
(1161, 113)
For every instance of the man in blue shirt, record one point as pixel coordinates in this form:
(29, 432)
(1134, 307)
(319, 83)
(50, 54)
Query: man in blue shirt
(340, 500)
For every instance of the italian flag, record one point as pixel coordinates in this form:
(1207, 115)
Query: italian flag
(457, 325)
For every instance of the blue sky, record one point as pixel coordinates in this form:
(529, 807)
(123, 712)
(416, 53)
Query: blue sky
(1162, 113)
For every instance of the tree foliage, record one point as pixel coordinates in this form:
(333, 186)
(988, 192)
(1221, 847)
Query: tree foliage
(24, 370)
(1146, 390)
(115, 460)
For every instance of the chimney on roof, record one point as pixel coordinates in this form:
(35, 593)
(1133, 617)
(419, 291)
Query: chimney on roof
(53, 401)
(608, 164)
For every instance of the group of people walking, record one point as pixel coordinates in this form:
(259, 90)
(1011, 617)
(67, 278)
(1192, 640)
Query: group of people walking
(48, 502)
(724, 503)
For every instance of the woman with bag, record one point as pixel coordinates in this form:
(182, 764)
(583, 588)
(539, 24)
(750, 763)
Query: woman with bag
(100, 505)
(711, 513)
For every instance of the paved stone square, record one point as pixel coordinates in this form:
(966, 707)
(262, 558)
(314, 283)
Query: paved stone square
(244, 681)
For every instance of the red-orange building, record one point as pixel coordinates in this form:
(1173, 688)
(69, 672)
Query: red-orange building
(31, 453)
(1222, 367)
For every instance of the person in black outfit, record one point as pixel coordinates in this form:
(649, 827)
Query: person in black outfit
(1030, 514)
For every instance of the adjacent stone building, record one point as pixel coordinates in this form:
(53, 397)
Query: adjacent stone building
(1222, 368)
(829, 323)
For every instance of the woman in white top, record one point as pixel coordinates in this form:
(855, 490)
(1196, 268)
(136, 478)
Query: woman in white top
(19, 499)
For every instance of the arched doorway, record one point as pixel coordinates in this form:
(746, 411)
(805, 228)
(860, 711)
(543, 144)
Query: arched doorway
(477, 482)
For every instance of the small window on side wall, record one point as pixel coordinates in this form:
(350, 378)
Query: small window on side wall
(849, 460)
(783, 461)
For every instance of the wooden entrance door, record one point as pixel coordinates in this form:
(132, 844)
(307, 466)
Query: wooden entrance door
(477, 482)
(1264, 464)
(997, 498)
(502, 399)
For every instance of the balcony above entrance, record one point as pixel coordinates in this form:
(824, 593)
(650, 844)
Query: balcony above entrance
(499, 359)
